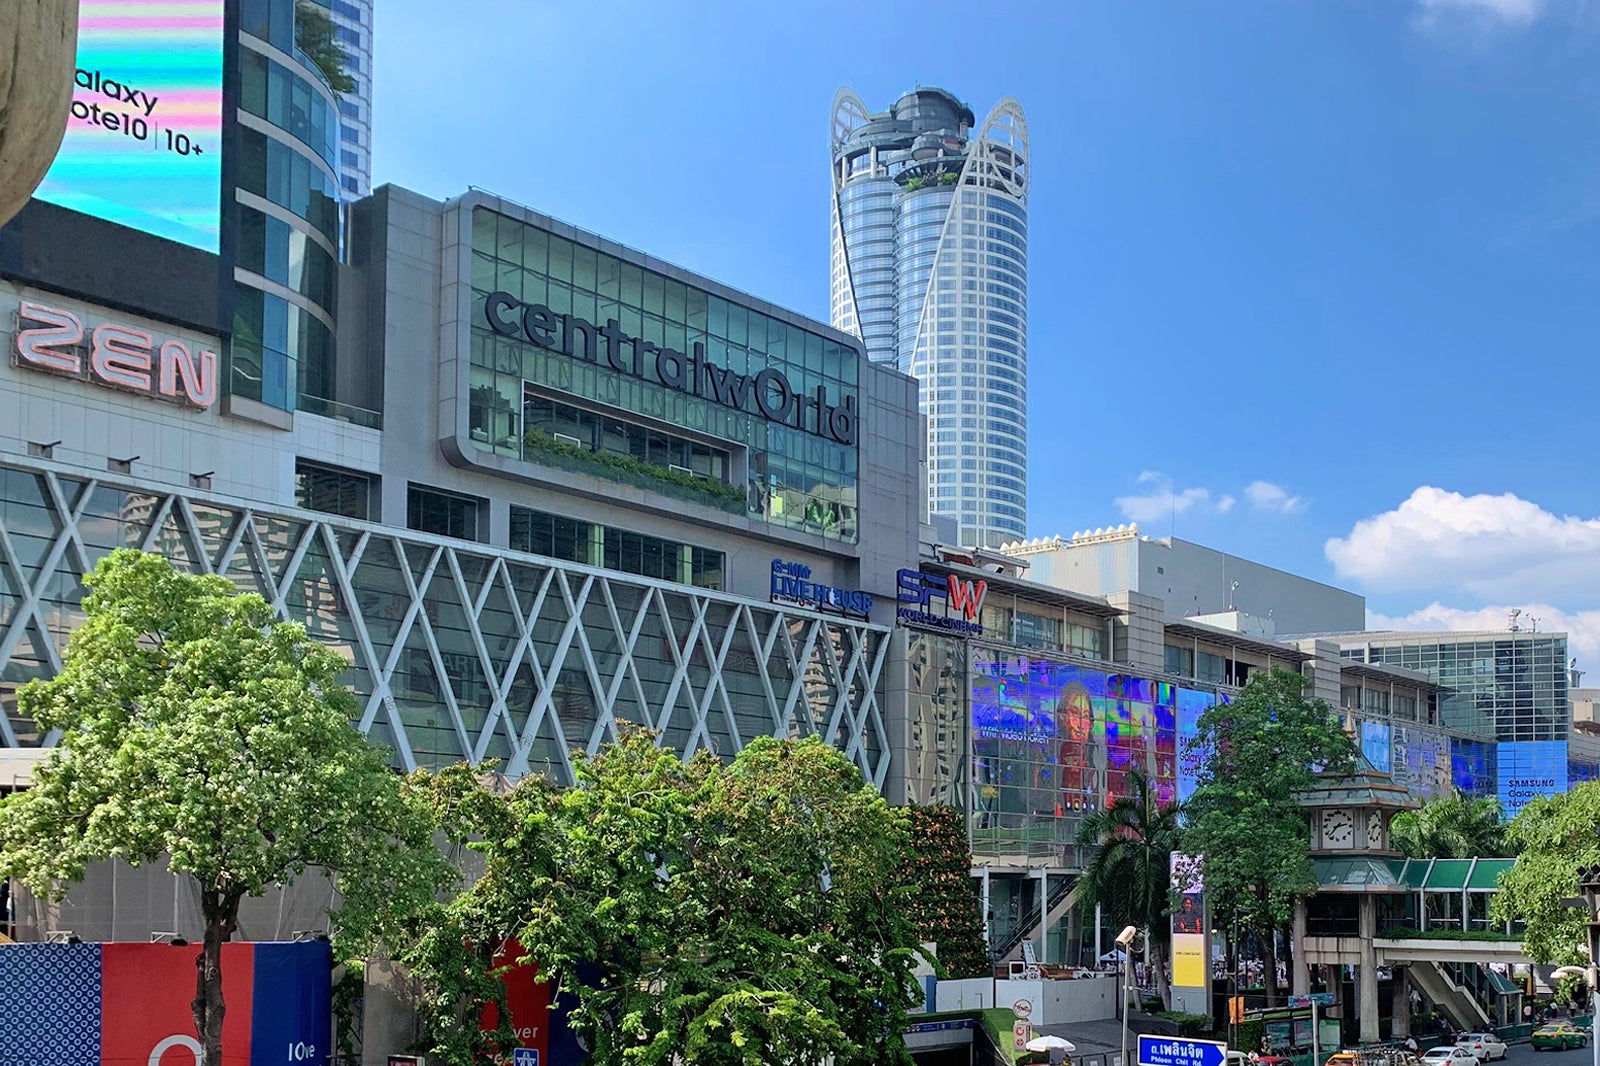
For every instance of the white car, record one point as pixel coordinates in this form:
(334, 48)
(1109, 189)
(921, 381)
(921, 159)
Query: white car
(1485, 1047)
(1448, 1055)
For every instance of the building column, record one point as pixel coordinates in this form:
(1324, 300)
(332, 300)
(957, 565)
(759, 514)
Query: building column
(1400, 1004)
(1299, 967)
(1367, 990)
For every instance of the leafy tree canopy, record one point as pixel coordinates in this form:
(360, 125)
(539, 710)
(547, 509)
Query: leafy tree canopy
(1552, 836)
(1452, 827)
(1259, 750)
(193, 726)
(747, 913)
(946, 910)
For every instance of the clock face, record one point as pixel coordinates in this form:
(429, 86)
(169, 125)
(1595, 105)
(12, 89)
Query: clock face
(1375, 829)
(1338, 828)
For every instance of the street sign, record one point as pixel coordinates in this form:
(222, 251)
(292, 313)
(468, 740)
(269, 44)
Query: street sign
(525, 1056)
(1180, 1051)
(1324, 999)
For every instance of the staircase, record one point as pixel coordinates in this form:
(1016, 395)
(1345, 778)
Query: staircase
(1062, 897)
(1452, 993)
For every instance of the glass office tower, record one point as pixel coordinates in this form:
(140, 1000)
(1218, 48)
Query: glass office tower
(930, 270)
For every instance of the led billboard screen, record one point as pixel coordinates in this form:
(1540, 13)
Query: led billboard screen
(143, 147)
(1528, 769)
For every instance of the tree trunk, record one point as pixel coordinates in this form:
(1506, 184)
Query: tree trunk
(1269, 963)
(221, 913)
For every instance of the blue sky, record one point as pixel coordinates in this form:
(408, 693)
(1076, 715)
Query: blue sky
(1326, 275)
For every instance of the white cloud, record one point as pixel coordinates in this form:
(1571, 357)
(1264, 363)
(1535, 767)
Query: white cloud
(1164, 499)
(1265, 496)
(1225, 504)
(1582, 627)
(1509, 12)
(1501, 549)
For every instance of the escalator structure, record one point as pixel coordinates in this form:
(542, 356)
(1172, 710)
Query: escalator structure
(1062, 898)
(1464, 992)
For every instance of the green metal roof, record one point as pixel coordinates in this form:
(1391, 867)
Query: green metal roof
(1352, 873)
(1448, 874)
(1411, 873)
(1486, 874)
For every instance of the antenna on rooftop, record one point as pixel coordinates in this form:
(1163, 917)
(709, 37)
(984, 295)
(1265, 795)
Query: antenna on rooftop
(1516, 626)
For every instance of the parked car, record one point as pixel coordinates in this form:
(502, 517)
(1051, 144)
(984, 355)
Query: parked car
(1485, 1047)
(1558, 1035)
(1449, 1055)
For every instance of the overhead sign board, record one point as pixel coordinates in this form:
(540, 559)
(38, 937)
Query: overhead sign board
(1181, 1051)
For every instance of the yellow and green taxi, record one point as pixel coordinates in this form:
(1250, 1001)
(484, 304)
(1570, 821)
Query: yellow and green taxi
(1559, 1035)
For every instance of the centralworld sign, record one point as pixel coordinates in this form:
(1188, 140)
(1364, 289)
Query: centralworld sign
(767, 392)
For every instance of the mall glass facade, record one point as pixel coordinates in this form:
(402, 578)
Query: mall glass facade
(456, 650)
(787, 475)
(1511, 686)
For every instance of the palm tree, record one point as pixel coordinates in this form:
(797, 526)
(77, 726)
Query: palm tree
(1452, 827)
(1128, 869)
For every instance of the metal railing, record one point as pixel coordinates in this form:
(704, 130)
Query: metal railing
(1023, 930)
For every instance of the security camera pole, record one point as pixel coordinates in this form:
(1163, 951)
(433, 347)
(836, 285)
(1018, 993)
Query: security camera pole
(1125, 944)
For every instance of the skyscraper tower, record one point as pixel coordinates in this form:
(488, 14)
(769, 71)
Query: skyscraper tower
(353, 20)
(930, 270)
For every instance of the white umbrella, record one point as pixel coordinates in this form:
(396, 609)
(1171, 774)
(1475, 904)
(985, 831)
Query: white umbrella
(1051, 1043)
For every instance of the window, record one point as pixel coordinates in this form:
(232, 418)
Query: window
(1179, 661)
(615, 549)
(443, 513)
(331, 490)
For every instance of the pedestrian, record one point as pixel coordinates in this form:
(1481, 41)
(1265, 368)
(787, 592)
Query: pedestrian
(1411, 1044)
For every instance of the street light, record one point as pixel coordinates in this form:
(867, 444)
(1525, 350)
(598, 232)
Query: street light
(1125, 943)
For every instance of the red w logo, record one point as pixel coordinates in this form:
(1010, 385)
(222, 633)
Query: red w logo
(967, 596)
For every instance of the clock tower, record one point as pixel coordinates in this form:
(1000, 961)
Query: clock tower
(1351, 854)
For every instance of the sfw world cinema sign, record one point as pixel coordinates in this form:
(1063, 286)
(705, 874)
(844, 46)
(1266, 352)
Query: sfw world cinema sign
(917, 591)
(767, 392)
(114, 356)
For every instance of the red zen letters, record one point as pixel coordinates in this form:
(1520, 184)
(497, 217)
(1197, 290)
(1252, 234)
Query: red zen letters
(118, 357)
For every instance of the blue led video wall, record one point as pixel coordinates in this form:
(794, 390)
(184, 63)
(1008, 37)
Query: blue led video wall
(1375, 745)
(1528, 769)
(1052, 738)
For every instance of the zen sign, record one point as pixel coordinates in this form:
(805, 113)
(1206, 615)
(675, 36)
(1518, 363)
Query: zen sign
(114, 356)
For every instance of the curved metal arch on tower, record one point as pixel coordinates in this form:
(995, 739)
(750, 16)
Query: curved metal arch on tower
(1004, 130)
(849, 114)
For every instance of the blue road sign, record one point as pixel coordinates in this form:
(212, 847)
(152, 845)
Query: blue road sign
(1321, 999)
(525, 1056)
(1180, 1051)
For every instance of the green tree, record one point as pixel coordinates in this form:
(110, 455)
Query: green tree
(194, 726)
(1452, 827)
(1552, 836)
(1258, 751)
(741, 914)
(1129, 866)
(945, 910)
(317, 36)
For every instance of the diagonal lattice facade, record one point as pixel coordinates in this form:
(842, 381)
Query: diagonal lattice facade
(457, 650)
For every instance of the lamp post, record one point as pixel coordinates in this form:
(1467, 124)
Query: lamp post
(1125, 945)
